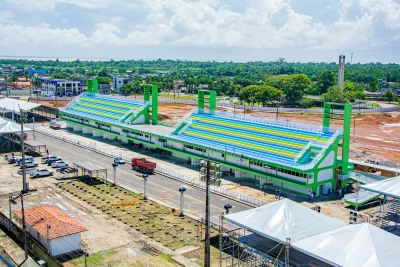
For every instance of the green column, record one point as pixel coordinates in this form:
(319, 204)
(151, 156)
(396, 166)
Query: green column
(200, 101)
(213, 102)
(326, 119)
(346, 138)
(146, 95)
(154, 101)
(92, 86)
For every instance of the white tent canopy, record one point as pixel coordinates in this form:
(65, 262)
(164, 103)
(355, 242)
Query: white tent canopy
(7, 126)
(15, 104)
(389, 187)
(354, 245)
(284, 219)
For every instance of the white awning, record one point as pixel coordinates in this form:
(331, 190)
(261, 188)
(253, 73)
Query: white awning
(284, 219)
(353, 245)
(389, 187)
(7, 126)
(11, 104)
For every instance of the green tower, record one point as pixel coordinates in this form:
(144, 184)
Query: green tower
(334, 111)
(92, 86)
(205, 96)
(154, 102)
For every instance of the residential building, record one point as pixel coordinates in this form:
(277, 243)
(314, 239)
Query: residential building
(59, 87)
(53, 229)
(118, 82)
(34, 72)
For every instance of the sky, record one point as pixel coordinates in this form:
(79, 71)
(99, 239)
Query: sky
(221, 30)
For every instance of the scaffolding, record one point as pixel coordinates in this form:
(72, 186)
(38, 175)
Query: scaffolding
(239, 246)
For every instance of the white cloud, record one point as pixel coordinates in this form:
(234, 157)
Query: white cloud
(204, 24)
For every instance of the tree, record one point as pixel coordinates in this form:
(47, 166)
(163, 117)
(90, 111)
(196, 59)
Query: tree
(14, 79)
(389, 96)
(306, 102)
(103, 80)
(126, 89)
(293, 86)
(325, 80)
(248, 94)
(333, 95)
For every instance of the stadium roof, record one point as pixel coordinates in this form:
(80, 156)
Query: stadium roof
(353, 245)
(7, 126)
(389, 187)
(284, 219)
(15, 105)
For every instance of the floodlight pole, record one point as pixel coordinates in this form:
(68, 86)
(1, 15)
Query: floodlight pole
(181, 190)
(12, 199)
(207, 233)
(287, 250)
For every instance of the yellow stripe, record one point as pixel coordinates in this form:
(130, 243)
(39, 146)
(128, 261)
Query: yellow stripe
(100, 107)
(106, 101)
(246, 127)
(245, 144)
(97, 112)
(249, 136)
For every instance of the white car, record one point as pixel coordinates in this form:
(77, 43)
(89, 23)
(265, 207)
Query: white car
(59, 163)
(41, 172)
(27, 171)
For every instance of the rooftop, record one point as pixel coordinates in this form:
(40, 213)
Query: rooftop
(60, 223)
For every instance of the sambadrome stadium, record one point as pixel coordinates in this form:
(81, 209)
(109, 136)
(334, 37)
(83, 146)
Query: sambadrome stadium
(293, 156)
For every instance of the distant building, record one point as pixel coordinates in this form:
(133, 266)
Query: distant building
(395, 91)
(34, 72)
(6, 70)
(53, 229)
(59, 87)
(118, 82)
(104, 89)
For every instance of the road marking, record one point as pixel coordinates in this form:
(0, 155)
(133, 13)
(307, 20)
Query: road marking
(176, 192)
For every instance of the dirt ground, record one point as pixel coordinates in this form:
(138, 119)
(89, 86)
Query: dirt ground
(108, 240)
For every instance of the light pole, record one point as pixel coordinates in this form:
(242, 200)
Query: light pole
(24, 184)
(12, 200)
(215, 167)
(115, 165)
(145, 177)
(182, 190)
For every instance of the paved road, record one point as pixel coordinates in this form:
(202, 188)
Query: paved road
(160, 188)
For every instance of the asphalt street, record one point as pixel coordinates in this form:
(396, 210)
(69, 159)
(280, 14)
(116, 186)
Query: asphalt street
(159, 188)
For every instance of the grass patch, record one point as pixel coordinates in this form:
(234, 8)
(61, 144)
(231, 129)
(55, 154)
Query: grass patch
(180, 96)
(95, 259)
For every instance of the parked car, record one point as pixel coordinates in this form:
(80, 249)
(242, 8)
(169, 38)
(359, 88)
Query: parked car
(41, 172)
(50, 161)
(119, 160)
(27, 159)
(45, 159)
(13, 160)
(54, 125)
(30, 164)
(27, 171)
(59, 163)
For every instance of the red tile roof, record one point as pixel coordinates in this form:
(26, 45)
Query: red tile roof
(60, 223)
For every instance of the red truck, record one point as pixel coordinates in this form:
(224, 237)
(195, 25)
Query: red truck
(142, 165)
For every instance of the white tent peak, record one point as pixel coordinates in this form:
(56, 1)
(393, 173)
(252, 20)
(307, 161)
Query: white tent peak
(353, 245)
(389, 187)
(284, 219)
(7, 126)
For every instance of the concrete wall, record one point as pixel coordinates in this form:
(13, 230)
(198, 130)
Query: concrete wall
(65, 244)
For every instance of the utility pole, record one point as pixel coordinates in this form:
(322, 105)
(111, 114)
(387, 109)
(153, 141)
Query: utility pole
(145, 176)
(24, 184)
(287, 250)
(207, 233)
(115, 165)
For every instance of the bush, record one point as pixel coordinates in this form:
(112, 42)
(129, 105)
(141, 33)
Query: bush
(306, 102)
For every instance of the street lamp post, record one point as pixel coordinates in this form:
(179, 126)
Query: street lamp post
(24, 184)
(115, 165)
(182, 190)
(145, 177)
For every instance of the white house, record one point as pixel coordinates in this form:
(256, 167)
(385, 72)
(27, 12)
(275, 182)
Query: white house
(54, 229)
(118, 82)
(59, 87)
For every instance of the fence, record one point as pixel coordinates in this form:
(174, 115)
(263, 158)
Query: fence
(33, 246)
(180, 177)
(280, 109)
